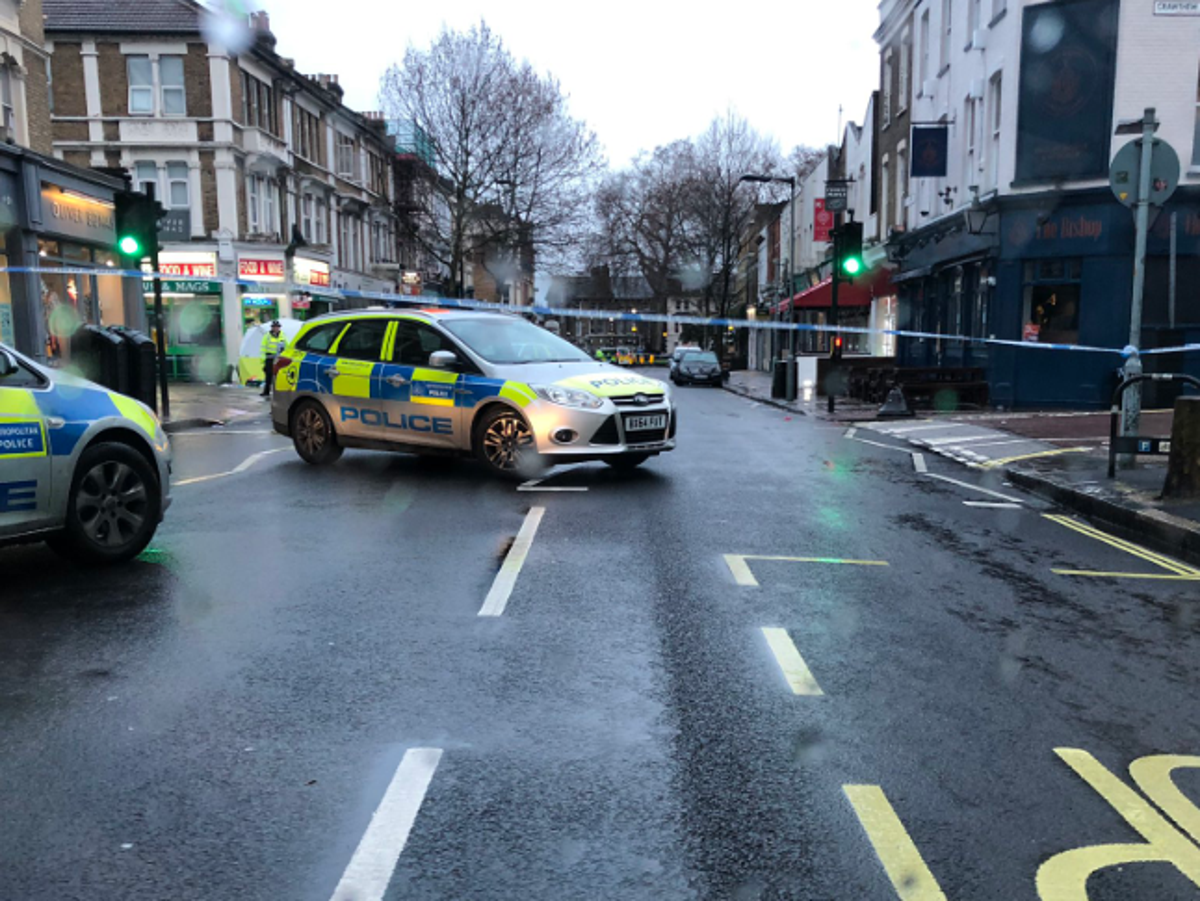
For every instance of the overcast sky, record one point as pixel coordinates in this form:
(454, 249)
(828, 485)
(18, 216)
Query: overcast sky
(641, 74)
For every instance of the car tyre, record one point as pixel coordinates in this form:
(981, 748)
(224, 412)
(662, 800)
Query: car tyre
(506, 445)
(627, 462)
(114, 506)
(313, 434)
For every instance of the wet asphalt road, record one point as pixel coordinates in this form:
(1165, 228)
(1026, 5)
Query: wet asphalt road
(221, 719)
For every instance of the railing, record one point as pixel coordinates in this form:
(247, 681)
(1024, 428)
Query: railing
(1137, 444)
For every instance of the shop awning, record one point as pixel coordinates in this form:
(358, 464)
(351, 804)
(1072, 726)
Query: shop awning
(860, 293)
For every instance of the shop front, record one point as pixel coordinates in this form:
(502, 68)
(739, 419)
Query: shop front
(262, 286)
(192, 312)
(857, 309)
(313, 294)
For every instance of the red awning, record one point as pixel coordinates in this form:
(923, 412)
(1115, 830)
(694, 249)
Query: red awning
(858, 294)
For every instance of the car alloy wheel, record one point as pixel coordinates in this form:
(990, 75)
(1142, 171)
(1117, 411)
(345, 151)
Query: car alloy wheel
(313, 435)
(507, 442)
(112, 505)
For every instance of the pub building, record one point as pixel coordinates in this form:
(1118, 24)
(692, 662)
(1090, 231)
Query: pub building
(55, 216)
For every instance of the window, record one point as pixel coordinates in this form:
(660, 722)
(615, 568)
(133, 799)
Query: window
(8, 117)
(947, 33)
(174, 95)
(322, 217)
(363, 340)
(306, 218)
(1052, 295)
(258, 104)
(923, 71)
(345, 251)
(971, 130)
(345, 157)
(270, 221)
(178, 195)
(320, 339)
(415, 342)
(901, 184)
(141, 85)
(306, 129)
(253, 199)
(145, 174)
(887, 89)
(974, 13)
(905, 69)
(1196, 135)
(50, 85)
(885, 185)
(995, 103)
(378, 173)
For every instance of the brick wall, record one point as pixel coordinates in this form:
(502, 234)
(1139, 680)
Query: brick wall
(199, 81)
(69, 97)
(70, 131)
(37, 97)
(79, 158)
(114, 80)
(235, 90)
(208, 190)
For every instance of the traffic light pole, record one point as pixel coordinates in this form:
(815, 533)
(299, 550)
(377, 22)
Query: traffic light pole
(835, 346)
(160, 331)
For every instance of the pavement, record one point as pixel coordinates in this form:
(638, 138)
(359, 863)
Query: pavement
(1060, 454)
(781, 662)
(202, 405)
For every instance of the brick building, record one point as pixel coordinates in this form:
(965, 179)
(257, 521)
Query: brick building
(245, 152)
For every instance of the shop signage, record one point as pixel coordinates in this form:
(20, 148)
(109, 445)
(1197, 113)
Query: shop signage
(410, 284)
(260, 268)
(312, 272)
(822, 222)
(77, 216)
(176, 225)
(184, 286)
(1177, 7)
(1031, 332)
(258, 302)
(188, 270)
(930, 151)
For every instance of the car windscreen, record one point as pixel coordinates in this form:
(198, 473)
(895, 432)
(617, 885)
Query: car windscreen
(700, 358)
(503, 340)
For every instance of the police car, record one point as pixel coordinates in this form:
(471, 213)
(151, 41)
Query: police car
(460, 382)
(81, 467)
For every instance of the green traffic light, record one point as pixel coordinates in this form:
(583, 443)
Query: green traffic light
(852, 265)
(129, 246)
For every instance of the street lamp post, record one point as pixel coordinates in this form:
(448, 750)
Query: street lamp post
(790, 181)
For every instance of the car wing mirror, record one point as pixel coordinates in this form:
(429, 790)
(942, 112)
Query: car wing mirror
(8, 364)
(443, 359)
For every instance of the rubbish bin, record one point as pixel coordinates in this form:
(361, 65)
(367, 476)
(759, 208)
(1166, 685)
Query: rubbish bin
(141, 359)
(99, 355)
(779, 379)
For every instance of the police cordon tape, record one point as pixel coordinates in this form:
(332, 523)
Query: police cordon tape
(283, 287)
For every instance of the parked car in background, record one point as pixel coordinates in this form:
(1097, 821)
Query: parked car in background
(698, 367)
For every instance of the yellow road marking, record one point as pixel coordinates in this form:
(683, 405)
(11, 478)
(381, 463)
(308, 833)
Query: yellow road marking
(992, 464)
(1162, 562)
(899, 856)
(795, 670)
(1150, 577)
(742, 575)
(1064, 876)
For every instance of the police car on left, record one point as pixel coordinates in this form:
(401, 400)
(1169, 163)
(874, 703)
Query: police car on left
(83, 468)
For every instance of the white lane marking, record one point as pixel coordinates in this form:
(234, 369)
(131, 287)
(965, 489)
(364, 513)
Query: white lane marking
(968, 485)
(993, 505)
(922, 428)
(937, 442)
(903, 450)
(919, 462)
(506, 579)
(536, 484)
(851, 432)
(795, 670)
(370, 869)
(198, 433)
(241, 467)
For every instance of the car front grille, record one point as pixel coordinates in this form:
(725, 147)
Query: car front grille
(627, 400)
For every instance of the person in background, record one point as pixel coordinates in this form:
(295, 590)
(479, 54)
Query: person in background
(273, 344)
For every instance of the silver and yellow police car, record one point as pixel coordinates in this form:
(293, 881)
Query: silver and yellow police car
(489, 385)
(81, 467)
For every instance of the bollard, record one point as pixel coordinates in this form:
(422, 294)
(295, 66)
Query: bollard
(1183, 463)
(1131, 420)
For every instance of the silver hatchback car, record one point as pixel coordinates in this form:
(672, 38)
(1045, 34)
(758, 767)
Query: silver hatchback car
(491, 385)
(81, 467)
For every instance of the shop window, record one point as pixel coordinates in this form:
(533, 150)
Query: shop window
(141, 85)
(1052, 299)
(174, 95)
(178, 186)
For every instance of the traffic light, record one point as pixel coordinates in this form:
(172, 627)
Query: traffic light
(850, 249)
(835, 347)
(137, 218)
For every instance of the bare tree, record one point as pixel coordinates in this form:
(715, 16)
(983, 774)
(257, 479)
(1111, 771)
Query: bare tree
(513, 168)
(803, 160)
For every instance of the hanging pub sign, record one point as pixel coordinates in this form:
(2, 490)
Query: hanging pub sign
(1065, 101)
(930, 151)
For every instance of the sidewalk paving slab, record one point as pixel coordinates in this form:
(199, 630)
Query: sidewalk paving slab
(202, 405)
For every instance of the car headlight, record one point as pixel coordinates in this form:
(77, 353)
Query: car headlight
(568, 397)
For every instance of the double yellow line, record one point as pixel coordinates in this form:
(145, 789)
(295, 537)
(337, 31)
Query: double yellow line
(1178, 572)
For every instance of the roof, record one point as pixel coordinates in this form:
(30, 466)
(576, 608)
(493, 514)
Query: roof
(123, 16)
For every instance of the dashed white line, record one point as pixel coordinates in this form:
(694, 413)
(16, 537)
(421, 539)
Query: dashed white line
(370, 869)
(851, 432)
(994, 505)
(506, 579)
(968, 485)
(536, 484)
(919, 462)
(795, 670)
(903, 450)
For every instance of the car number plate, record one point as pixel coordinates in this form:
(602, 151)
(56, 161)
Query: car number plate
(641, 423)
